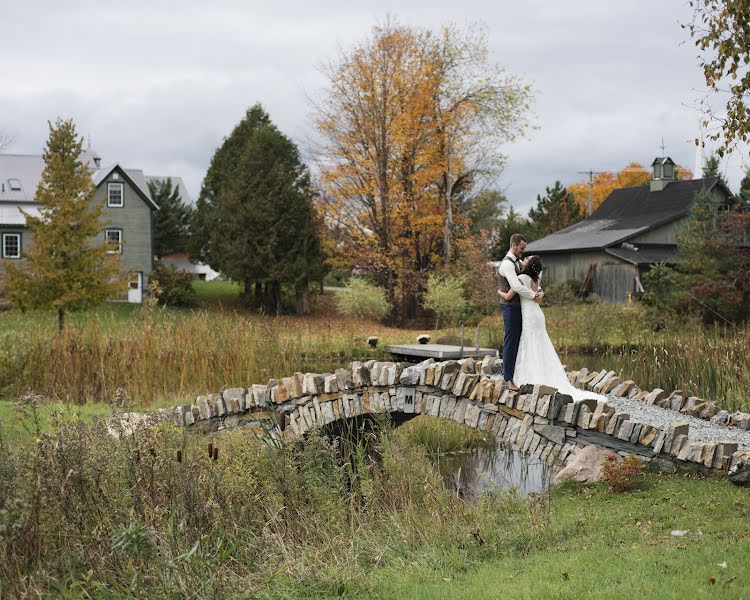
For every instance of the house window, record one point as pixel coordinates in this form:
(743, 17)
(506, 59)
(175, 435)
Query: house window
(668, 171)
(657, 171)
(134, 282)
(114, 195)
(11, 245)
(114, 241)
(15, 185)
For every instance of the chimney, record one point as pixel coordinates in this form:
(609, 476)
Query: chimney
(664, 173)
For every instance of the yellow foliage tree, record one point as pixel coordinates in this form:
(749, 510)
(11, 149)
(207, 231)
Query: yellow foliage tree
(64, 269)
(400, 137)
(604, 183)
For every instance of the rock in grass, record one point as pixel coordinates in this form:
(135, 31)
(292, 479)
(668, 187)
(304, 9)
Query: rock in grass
(739, 470)
(586, 465)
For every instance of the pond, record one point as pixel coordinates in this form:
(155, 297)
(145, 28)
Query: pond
(469, 474)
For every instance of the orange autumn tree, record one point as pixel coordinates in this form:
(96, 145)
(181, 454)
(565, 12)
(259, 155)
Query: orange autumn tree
(397, 144)
(604, 183)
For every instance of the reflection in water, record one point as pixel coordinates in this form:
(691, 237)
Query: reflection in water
(470, 474)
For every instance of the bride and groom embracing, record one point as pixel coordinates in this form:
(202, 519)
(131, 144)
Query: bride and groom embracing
(528, 353)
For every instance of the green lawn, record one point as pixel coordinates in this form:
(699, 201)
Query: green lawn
(218, 293)
(591, 544)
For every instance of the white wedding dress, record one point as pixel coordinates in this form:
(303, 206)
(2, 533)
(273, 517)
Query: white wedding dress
(537, 361)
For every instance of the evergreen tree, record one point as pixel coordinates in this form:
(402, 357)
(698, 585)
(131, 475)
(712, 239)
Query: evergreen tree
(555, 210)
(744, 195)
(711, 167)
(254, 219)
(512, 222)
(172, 220)
(64, 269)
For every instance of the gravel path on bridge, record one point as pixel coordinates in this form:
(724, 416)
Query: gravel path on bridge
(700, 430)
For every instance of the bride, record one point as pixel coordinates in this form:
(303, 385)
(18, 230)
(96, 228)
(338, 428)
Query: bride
(537, 361)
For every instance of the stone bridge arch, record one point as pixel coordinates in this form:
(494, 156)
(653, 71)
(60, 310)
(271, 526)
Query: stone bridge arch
(537, 420)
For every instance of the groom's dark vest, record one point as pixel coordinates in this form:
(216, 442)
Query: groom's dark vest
(505, 286)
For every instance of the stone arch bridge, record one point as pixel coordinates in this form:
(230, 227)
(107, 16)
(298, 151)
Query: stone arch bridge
(537, 420)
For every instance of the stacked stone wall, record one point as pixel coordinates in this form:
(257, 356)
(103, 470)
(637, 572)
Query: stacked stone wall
(537, 420)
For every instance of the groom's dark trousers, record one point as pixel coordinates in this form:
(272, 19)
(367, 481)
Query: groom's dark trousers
(512, 328)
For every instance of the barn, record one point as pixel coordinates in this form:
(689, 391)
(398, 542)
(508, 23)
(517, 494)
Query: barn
(631, 230)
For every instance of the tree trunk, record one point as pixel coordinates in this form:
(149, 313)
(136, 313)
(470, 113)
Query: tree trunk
(276, 297)
(247, 293)
(60, 319)
(448, 233)
(302, 301)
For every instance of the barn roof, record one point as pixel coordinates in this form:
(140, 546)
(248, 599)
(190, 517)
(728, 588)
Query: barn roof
(626, 213)
(643, 255)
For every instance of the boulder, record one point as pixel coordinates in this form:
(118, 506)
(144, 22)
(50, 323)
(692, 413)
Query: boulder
(721, 418)
(586, 465)
(739, 470)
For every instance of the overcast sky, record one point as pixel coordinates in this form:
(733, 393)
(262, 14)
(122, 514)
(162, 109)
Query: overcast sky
(157, 85)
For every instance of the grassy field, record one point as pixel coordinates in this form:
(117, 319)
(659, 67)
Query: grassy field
(83, 515)
(157, 356)
(591, 544)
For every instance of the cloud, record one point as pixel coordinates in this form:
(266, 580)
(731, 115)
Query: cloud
(157, 85)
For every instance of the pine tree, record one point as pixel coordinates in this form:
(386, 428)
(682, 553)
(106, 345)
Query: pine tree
(554, 211)
(711, 167)
(254, 219)
(744, 195)
(64, 269)
(172, 220)
(512, 222)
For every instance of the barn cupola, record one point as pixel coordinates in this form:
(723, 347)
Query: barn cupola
(664, 173)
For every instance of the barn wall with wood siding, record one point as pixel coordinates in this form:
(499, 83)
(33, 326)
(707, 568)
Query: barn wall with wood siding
(666, 234)
(614, 279)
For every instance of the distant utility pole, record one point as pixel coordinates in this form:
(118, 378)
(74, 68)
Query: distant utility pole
(590, 173)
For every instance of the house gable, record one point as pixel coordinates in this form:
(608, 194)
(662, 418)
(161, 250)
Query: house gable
(132, 217)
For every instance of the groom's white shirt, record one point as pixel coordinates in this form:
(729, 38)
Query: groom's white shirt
(508, 270)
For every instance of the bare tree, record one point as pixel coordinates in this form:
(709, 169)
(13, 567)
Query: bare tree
(5, 140)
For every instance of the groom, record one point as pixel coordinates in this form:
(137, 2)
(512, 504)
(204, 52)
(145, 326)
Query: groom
(509, 269)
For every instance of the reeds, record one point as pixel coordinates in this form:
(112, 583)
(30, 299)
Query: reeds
(172, 356)
(157, 515)
(443, 436)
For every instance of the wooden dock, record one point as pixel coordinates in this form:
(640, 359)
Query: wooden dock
(420, 352)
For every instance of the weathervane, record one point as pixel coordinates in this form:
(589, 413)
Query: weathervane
(662, 147)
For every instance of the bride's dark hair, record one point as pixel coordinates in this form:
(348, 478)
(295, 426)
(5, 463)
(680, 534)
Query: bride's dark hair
(533, 267)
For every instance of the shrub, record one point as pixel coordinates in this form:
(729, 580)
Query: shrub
(172, 287)
(560, 293)
(446, 297)
(363, 300)
(622, 475)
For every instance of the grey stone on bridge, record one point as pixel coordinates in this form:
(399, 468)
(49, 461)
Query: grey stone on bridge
(537, 419)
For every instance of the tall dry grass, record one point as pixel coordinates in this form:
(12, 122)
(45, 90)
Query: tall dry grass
(174, 355)
(157, 515)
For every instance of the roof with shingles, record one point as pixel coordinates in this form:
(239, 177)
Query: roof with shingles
(643, 255)
(626, 213)
(28, 168)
